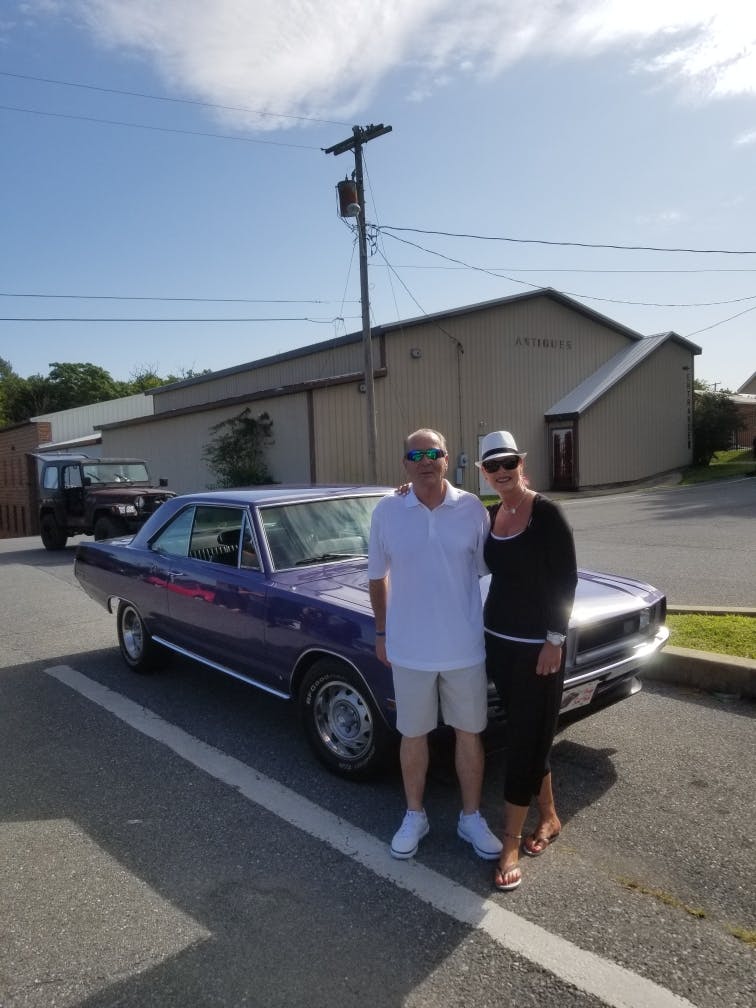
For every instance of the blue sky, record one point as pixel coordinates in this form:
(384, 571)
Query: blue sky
(555, 126)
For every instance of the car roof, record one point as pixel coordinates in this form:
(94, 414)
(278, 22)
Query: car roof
(77, 457)
(283, 493)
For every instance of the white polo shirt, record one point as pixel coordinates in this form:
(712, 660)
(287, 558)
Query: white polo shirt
(433, 558)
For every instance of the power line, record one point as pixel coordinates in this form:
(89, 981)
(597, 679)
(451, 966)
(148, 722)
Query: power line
(156, 129)
(566, 244)
(164, 98)
(199, 300)
(611, 270)
(576, 294)
(318, 322)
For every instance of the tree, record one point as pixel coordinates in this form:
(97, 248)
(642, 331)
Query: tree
(235, 453)
(82, 384)
(716, 421)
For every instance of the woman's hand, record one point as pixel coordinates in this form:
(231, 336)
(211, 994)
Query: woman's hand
(549, 659)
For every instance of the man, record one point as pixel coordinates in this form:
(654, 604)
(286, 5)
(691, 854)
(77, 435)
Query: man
(425, 558)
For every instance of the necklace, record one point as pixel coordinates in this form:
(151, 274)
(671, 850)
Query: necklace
(513, 510)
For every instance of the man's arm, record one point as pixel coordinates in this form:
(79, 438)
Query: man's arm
(378, 597)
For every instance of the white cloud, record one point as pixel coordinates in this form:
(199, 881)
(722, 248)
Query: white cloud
(746, 138)
(326, 57)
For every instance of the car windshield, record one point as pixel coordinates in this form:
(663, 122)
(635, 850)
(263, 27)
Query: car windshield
(315, 532)
(115, 472)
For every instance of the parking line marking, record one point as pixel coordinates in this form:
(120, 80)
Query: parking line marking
(613, 984)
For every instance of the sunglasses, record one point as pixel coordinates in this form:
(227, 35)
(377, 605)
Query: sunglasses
(493, 465)
(418, 454)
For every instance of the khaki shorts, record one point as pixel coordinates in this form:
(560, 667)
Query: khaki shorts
(462, 695)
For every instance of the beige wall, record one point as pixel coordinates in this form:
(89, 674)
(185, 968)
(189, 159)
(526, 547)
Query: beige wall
(316, 366)
(494, 368)
(621, 439)
(174, 446)
(515, 363)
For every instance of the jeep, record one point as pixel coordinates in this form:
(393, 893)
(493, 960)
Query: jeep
(103, 497)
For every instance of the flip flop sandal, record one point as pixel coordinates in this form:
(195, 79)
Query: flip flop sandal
(501, 873)
(544, 839)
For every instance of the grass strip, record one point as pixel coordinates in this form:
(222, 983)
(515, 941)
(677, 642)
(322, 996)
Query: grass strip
(721, 634)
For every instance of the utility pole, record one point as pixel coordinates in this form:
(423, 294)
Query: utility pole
(359, 137)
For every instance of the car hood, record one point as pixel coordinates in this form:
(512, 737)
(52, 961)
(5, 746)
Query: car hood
(342, 584)
(598, 594)
(602, 596)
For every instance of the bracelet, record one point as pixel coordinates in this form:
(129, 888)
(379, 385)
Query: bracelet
(380, 633)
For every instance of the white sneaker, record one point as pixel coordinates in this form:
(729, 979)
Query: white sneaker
(474, 829)
(406, 839)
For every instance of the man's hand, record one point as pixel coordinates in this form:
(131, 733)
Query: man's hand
(380, 650)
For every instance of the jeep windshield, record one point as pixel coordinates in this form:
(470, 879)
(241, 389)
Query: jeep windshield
(98, 473)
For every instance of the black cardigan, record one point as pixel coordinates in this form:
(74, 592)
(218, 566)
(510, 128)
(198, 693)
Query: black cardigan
(534, 575)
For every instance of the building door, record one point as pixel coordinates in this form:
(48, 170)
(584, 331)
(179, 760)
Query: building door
(563, 458)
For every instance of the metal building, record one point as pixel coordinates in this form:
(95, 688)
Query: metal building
(593, 402)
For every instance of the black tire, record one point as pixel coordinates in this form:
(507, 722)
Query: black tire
(137, 647)
(108, 528)
(53, 536)
(342, 723)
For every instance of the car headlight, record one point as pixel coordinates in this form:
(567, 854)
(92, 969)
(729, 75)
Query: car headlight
(139, 503)
(126, 509)
(644, 620)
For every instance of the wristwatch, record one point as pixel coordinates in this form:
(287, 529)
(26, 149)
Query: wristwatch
(555, 638)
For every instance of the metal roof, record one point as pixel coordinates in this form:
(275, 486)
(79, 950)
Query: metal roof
(541, 292)
(584, 395)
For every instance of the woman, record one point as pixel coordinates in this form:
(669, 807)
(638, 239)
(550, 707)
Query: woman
(531, 555)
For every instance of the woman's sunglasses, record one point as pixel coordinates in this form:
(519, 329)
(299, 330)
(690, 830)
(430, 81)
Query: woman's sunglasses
(493, 465)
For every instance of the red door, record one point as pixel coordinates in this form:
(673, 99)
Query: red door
(563, 468)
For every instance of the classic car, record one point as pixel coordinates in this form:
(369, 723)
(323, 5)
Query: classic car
(269, 585)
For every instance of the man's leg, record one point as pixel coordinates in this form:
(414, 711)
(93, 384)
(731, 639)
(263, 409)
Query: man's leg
(469, 761)
(413, 756)
(472, 827)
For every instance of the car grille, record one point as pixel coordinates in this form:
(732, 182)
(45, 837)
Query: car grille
(611, 631)
(617, 634)
(151, 504)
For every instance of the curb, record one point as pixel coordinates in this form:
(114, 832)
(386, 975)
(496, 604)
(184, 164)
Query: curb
(724, 675)
(713, 673)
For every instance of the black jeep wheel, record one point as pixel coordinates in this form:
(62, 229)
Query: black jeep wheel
(137, 647)
(53, 536)
(341, 721)
(108, 528)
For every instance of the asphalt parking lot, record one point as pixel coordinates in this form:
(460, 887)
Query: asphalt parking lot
(169, 840)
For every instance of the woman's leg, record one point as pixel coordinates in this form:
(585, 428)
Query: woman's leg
(508, 874)
(549, 826)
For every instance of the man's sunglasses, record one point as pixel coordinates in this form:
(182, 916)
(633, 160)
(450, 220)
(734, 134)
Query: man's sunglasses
(418, 454)
(493, 465)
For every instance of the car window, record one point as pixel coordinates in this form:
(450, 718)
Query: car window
(212, 534)
(175, 537)
(72, 476)
(116, 472)
(318, 531)
(50, 478)
(250, 555)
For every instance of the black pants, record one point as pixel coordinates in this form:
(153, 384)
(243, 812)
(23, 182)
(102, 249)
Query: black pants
(531, 703)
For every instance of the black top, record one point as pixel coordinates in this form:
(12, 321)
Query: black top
(534, 575)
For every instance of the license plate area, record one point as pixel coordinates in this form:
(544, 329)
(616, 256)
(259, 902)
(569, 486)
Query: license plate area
(578, 696)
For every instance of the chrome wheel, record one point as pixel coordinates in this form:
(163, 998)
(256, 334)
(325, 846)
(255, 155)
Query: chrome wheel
(134, 640)
(341, 720)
